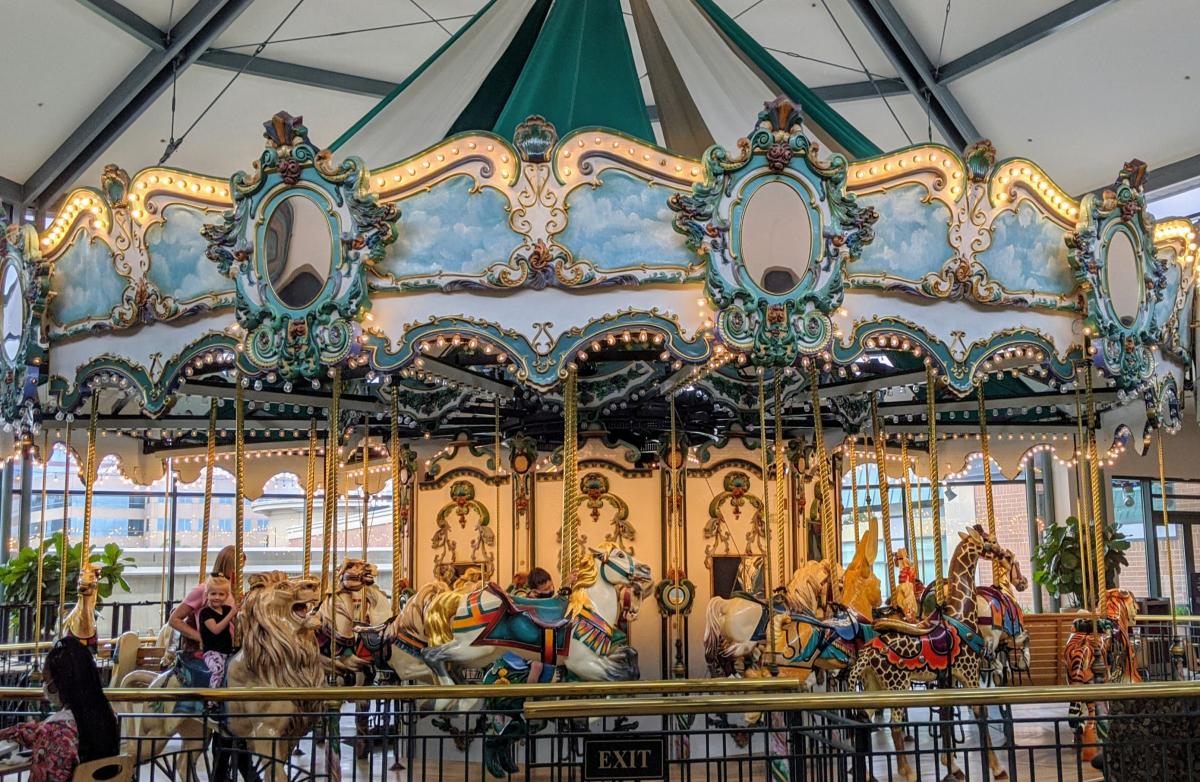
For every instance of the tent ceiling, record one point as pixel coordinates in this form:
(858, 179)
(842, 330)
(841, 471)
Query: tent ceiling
(1109, 103)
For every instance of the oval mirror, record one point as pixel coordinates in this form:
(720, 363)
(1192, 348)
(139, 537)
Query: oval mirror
(298, 251)
(1123, 275)
(12, 307)
(776, 237)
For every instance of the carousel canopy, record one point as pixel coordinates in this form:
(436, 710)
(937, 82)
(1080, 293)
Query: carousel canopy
(513, 211)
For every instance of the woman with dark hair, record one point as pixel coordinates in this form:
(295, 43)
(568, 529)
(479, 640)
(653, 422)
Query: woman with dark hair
(186, 616)
(84, 728)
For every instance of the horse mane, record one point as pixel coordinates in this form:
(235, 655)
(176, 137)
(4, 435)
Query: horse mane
(412, 617)
(587, 573)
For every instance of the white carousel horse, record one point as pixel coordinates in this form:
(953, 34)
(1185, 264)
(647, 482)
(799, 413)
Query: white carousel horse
(277, 626)
(826, 620)
(355, 608)
(474, 629)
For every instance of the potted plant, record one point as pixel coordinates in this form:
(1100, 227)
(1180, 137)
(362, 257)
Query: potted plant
(19, 574)
(1058, 564)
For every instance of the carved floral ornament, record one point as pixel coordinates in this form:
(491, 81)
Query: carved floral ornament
(298, 243)
(24, 289)
(461, 510)
(774, 304)
(1113, 257)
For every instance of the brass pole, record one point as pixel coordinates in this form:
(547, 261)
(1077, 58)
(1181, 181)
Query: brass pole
(210, 461)
(851, 445)
(397, 489)
(1083, 525)
(162, 590)
(66, 528)
(569, 550)
(89, 485)
(766, 497)
(239, 462)
(1098, 521)
(781, 502)
(1162, 482)
(329, 503)
(934, 500)
(310, 491)
(41, 556)
(366, 473)
(885, 509)
(496, 475)
(987, 466)
(910, 533)
(828, 537)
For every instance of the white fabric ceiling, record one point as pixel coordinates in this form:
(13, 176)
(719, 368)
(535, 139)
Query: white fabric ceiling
(1123, 81)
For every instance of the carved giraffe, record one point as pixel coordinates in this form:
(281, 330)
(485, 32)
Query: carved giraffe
(945, 644)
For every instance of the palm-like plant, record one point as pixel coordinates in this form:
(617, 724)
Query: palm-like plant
(1058, 563)
(19, 574)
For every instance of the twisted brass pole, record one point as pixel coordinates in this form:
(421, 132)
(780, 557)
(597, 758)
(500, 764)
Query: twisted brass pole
(66, 528)
(329, 505)
(397, 490)
(987, 465)
(828, 534)
(781, 503)
(1083, 523)
(766, 498)
(89, 482)
(41, 555)
(885, 509)
(910, 532)
(1162, 482)
(934, 500)
(1098, 521)
(310, 491)
(850, 444)
(366, 509)
(569, 552)
(239, 462)
(210, 461)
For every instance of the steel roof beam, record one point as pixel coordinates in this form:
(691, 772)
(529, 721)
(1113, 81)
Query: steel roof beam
(833, 93)
(296, 74)
(1042, 27)
(890, 31)
(129, 22)
(190, 37)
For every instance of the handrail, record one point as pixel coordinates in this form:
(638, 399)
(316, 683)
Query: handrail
(28, 646)
(757, 687)
(989, 696)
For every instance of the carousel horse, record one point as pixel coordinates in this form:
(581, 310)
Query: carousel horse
(818, 625)
(946, 645)
(80, 623)
(356, 608)
(277, 626)
(1108, 641)
(473, 629)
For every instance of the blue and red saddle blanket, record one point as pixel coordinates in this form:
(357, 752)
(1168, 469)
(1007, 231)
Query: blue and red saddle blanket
(540, 626)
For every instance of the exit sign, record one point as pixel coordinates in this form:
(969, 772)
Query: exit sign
(626, 758)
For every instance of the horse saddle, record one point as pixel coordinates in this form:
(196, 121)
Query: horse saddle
(533, 624)
(371, 643)
(1006, 614)
(845, 624)
(924, 627)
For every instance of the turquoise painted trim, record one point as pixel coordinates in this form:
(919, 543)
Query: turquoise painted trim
(541, 371)
(815, 109)
(402, 86)
(960, 374)
(580, 72)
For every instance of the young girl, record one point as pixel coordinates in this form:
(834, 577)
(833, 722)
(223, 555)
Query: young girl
(84, 729)
(216, 632)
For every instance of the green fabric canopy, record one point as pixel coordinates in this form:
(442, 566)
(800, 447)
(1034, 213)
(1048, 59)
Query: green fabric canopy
(816, 110)
(580, 74)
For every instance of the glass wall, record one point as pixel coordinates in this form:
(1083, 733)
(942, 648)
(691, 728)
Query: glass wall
(963, 503)
(143, 520)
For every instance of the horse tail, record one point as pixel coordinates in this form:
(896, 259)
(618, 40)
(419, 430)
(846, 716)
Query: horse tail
(714, 643)
(439, 617)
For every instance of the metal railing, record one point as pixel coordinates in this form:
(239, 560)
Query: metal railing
(697, 730)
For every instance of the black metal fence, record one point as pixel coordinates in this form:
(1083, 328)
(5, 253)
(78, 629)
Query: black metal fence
(825, 737)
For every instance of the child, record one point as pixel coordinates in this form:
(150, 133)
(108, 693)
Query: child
(216, 633)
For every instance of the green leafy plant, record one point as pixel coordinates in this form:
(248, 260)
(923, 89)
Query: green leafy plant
(1058, 565)
(19, 574)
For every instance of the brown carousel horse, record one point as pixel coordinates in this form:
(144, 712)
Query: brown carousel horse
(1107, 641)
(947, 645)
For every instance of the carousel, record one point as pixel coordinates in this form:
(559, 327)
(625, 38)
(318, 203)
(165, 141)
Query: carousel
(648, 372)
